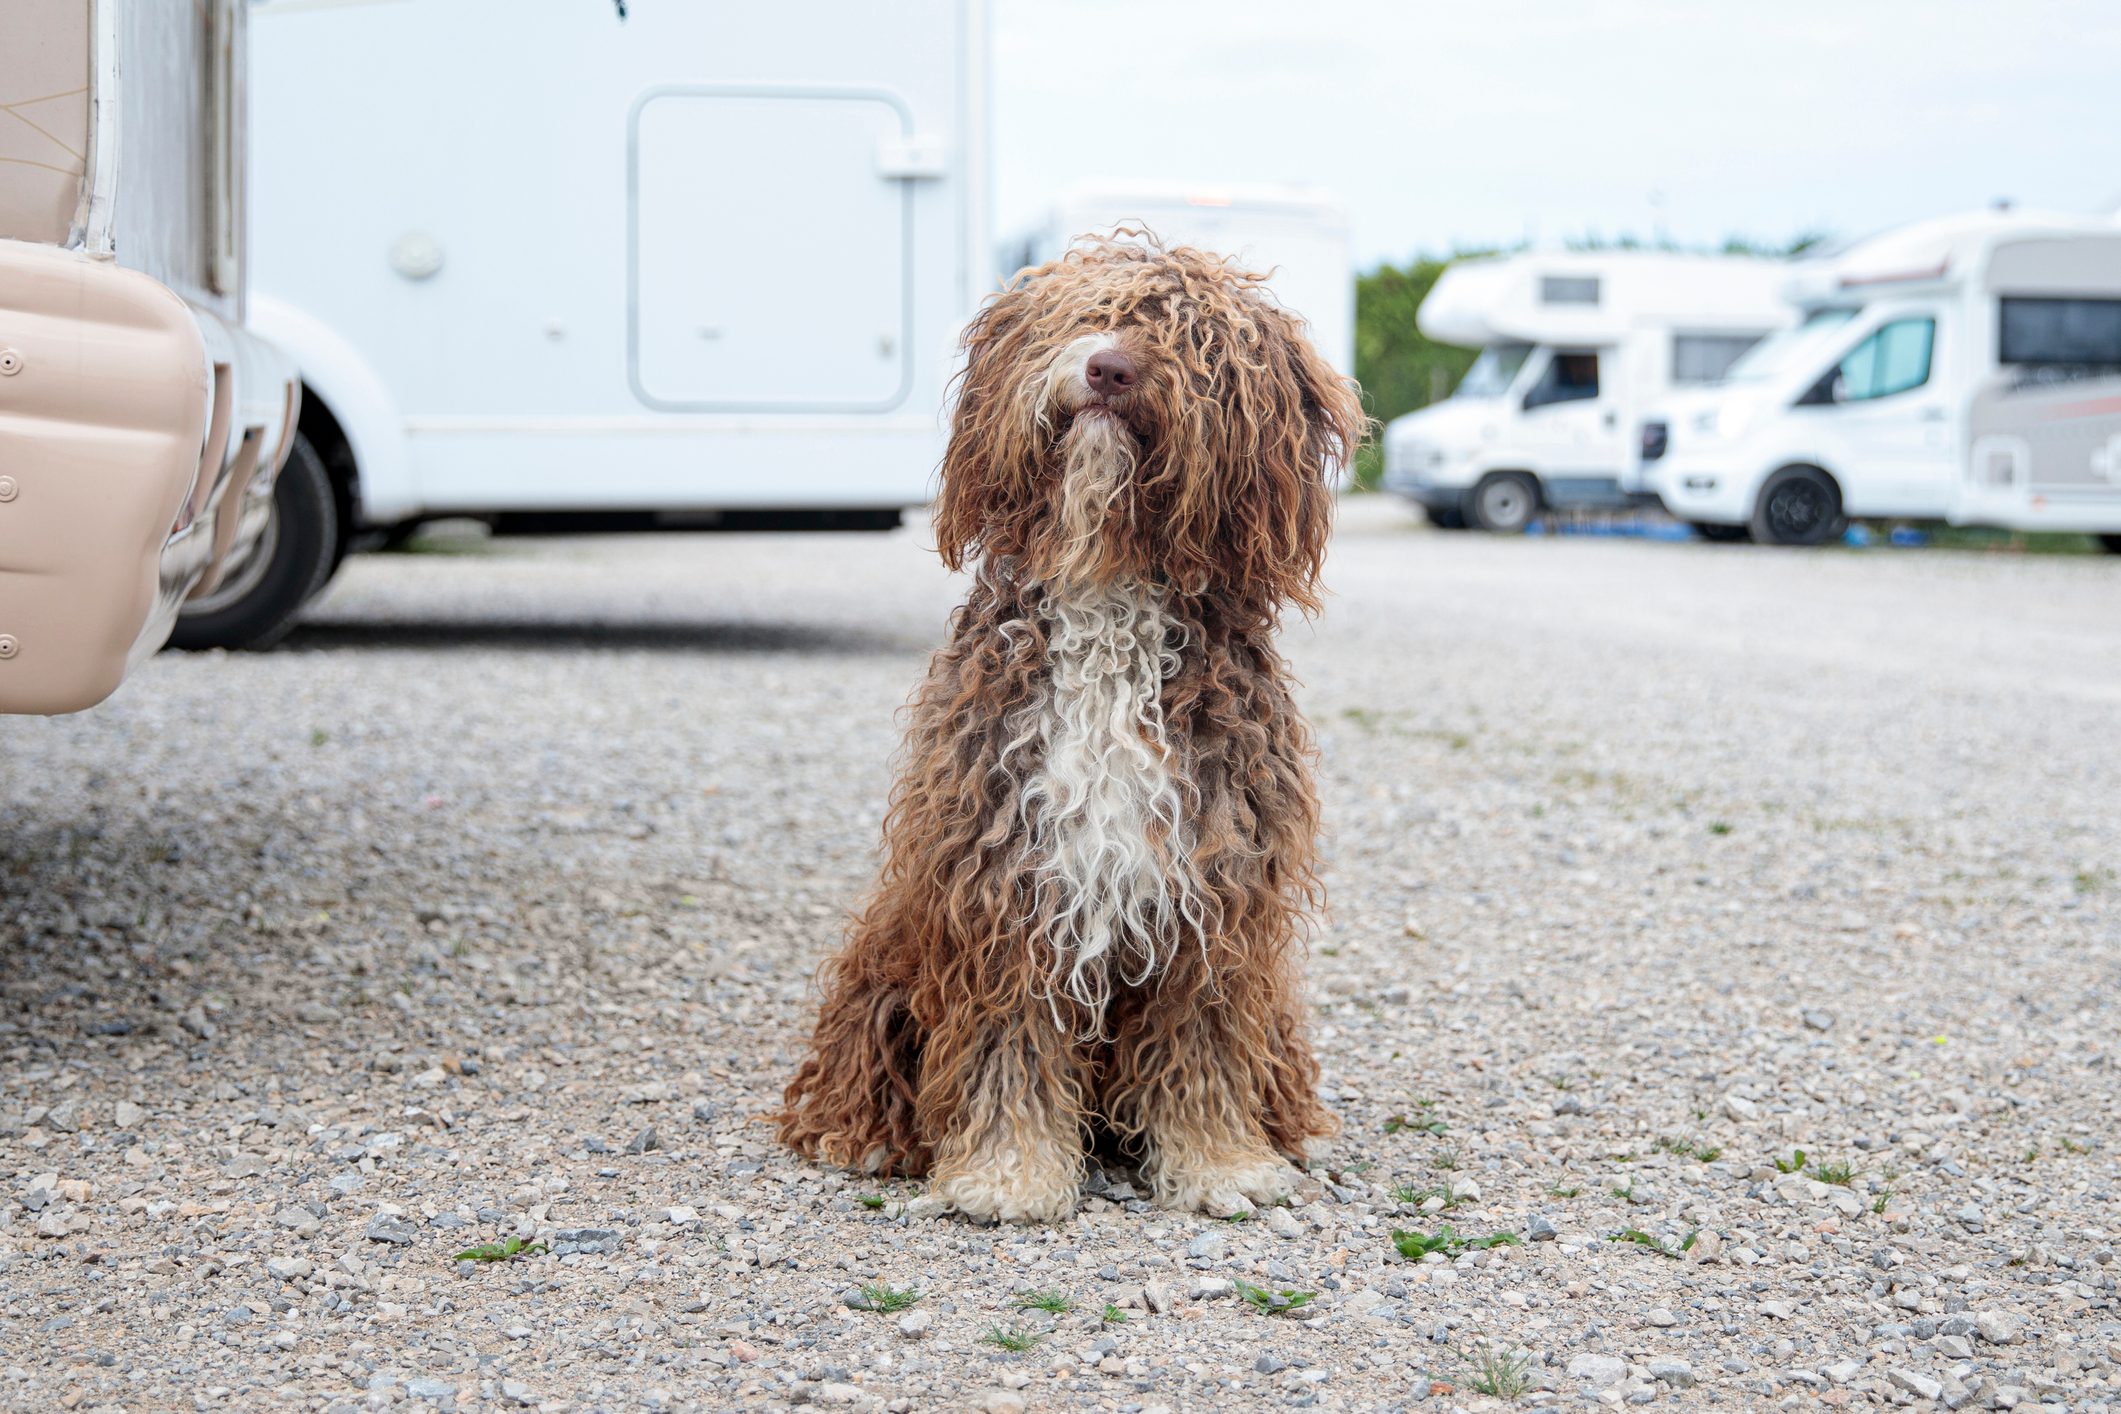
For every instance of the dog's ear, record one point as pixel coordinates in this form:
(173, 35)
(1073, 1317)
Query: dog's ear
(988, 497)
(1289, 423)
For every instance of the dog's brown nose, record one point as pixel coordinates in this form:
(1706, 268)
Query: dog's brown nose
(1109, 372)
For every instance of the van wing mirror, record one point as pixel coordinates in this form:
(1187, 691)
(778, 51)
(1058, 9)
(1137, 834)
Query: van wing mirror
(1830, 389)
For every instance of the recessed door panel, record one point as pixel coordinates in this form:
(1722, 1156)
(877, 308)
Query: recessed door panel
(770, 258)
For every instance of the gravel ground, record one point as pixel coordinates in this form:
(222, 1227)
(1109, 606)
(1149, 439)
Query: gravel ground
(486, 908)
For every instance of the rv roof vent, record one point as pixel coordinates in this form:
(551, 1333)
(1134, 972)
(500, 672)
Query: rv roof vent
(1568, 289)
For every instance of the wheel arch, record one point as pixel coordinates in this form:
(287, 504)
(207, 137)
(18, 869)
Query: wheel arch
(349, 416)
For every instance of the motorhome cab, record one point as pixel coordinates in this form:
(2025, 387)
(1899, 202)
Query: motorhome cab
(620, 266)
(1296, 236)
(1573, 348)
(1966, 369)
(142, 427)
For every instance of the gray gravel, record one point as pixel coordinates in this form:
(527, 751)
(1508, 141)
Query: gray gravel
(485, 909)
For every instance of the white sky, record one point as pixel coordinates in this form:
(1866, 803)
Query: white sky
(1491, 121)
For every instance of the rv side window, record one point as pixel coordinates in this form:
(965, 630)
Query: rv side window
(1893, 360)
(1705, 358)
(2069, 332)
(1569, 378)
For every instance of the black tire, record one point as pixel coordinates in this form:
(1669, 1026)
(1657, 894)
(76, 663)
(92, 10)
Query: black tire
(1799, 505)
(1502, 504)
(2111, 544)
(1452, 519)
(1720, 534)
(257, 600)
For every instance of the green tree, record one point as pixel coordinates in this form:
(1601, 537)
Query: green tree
(1400, 368)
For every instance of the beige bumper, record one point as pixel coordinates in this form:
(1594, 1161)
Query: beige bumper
(105, 398)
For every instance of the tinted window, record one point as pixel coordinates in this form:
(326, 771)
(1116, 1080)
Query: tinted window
(1569, 378)
(2065, 331)
(1705, 358)
(1893, 360)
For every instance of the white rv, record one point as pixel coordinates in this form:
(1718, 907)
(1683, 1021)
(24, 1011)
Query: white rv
(1966, 369)
(142, 428)
(1297, 236)
(1573, 347)
(618, 266)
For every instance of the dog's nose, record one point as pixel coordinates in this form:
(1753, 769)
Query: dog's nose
(1109, 372)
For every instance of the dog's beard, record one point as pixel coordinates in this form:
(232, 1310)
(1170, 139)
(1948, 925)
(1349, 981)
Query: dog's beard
(1097, 463)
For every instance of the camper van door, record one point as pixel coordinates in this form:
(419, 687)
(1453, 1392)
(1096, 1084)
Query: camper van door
(1571, 431)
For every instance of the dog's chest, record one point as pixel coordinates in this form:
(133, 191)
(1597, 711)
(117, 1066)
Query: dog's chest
(1107, 815)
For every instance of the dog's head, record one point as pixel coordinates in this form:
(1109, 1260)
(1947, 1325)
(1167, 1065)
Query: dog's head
(1131, 409)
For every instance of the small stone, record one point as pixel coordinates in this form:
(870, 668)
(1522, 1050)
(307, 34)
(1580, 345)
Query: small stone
(433, 1390)
(1919, 1385)
(429, 1078)
(1707, 1248)
(1842, 1371)
(1740, 1108)
(1998, 1327)
(1001, 1401)
(1971, 1218)
(1209, 1246)
(571, 1240)
(1538, 1229)
(644, 1141)
(517, 1392)
(681, 1216)
(1819, 1020)
(1956, 1346)
(1158, 1297)
(385, 1228)
(290, 1268)
(1282, 1224)
(128, 1114)
(1598, 1371)
(52, 1225)
(1778, 1310)
(1660, 1316)
(1210, 1288)
(914, 1324)
(1676, 1373)
(838, 1392)
(1269, 1365)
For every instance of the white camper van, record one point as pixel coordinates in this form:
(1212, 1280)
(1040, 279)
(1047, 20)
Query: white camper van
(618, 266)
(1573, 347)
(142, 427)
(1966, 369)
(1297, 236)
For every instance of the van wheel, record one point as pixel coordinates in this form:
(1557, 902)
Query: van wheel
(1720, 534)
(1800, 505)
(257, 599)
(2111, 544)
(1502, 504)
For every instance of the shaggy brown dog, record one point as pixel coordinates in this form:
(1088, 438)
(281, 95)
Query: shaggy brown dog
(1100, 850)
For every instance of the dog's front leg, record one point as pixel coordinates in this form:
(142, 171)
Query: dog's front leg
(1190, 1092)
(1013, 1149)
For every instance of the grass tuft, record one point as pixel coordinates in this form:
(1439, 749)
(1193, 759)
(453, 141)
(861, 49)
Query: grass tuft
(1498, 1371)
(1413, 1244)
(1052, 1301)
(1273, 1303)
(881, 1297)
(1114, 1316)
(1642, 1239)
(1014, 1338)
(506, 1251)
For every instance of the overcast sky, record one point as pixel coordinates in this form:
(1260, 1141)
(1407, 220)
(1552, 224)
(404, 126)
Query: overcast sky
(1491, 121)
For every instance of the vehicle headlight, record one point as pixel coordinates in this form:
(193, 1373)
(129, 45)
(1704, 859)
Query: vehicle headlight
(1722, 422)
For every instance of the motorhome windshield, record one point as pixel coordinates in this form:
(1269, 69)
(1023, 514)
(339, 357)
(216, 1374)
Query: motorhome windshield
(1494, 371)
(1790, 348)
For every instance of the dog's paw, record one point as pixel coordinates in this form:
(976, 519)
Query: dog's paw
(1008, 1193)
(1223, 1189)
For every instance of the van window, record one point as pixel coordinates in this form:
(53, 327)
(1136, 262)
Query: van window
(1568, 289)
(1569, 378)
(1494, 371)
(1705, 358)
(2074, 332)
(1892, 360)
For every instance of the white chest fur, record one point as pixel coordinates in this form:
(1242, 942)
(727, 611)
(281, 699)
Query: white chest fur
(1107, 817)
